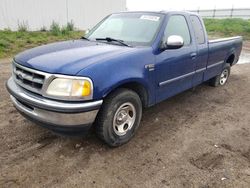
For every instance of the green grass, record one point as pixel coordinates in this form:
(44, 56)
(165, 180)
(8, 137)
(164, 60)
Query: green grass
(13, 42)
(228, 27)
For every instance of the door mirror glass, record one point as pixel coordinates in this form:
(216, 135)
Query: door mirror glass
(173, 42)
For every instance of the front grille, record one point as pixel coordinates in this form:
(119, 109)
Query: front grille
(28, 78)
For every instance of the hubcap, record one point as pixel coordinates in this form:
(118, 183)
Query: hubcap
(124, 118)
(223, 77)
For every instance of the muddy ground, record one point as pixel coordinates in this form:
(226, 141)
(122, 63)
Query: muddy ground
(200, 138)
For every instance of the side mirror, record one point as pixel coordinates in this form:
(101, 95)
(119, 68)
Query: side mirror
(173, 42)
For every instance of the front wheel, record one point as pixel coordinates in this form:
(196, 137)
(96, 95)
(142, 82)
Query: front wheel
(221, 79)
(119, 117)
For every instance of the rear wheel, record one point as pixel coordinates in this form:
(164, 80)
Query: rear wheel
(119, 117)
(221, 79)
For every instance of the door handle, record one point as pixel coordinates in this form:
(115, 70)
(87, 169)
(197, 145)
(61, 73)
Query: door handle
(193, 55)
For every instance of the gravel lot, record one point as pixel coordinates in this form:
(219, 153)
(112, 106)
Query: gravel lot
(200, 138)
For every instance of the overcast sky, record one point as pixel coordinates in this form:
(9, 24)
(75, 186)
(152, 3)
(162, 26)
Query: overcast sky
(185, 4)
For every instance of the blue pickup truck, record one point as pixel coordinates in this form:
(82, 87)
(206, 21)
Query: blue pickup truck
(127, 62)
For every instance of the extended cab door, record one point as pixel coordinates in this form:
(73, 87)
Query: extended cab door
(175, 68)
(202, 49)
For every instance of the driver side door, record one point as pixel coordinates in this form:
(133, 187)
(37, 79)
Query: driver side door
(174, 68)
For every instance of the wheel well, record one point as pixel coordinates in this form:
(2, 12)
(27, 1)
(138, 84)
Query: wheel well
(139, 89)
(230, 59)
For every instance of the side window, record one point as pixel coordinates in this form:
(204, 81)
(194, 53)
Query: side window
(198, 29)
(177, 25)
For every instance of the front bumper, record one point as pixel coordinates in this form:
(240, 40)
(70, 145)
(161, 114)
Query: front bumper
(53, 114)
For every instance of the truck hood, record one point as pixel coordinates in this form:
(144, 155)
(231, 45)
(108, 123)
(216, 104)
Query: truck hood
(68, 57)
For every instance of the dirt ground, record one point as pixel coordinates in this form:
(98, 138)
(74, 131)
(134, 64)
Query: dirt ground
(200, 138)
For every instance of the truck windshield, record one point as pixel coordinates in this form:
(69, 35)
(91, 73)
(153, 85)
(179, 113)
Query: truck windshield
(130, 28)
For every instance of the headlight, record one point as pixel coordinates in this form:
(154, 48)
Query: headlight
(70, 88)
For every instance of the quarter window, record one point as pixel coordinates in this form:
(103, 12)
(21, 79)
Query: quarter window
(177, 25)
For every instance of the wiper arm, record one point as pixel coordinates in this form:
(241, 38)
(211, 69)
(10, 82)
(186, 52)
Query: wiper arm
(108, 39)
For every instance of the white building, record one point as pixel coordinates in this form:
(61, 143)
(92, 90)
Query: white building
(40, 13)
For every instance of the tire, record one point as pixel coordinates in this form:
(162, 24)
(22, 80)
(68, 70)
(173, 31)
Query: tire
(119, 117)
(222, 78)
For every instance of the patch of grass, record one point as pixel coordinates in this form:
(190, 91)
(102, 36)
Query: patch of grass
(55, 28)
(65, 30)
(228, 27)
(70, 26)
(12, 43)
(23, 26)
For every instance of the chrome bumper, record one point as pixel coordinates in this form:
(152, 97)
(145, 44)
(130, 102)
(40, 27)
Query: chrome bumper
(52, 112)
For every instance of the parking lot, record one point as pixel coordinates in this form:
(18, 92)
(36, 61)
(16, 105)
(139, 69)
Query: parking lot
(200, 138)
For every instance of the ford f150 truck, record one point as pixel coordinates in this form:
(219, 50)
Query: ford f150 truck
(128, 61)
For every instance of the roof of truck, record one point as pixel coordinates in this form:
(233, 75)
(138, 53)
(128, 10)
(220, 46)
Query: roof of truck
(165, 12)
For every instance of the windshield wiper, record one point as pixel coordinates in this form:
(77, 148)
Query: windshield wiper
(84, 38)
(108, 39)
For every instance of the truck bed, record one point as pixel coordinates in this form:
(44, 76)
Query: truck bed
(220, 50)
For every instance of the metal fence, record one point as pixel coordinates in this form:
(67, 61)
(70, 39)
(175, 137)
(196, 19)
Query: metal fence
(243, 13)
